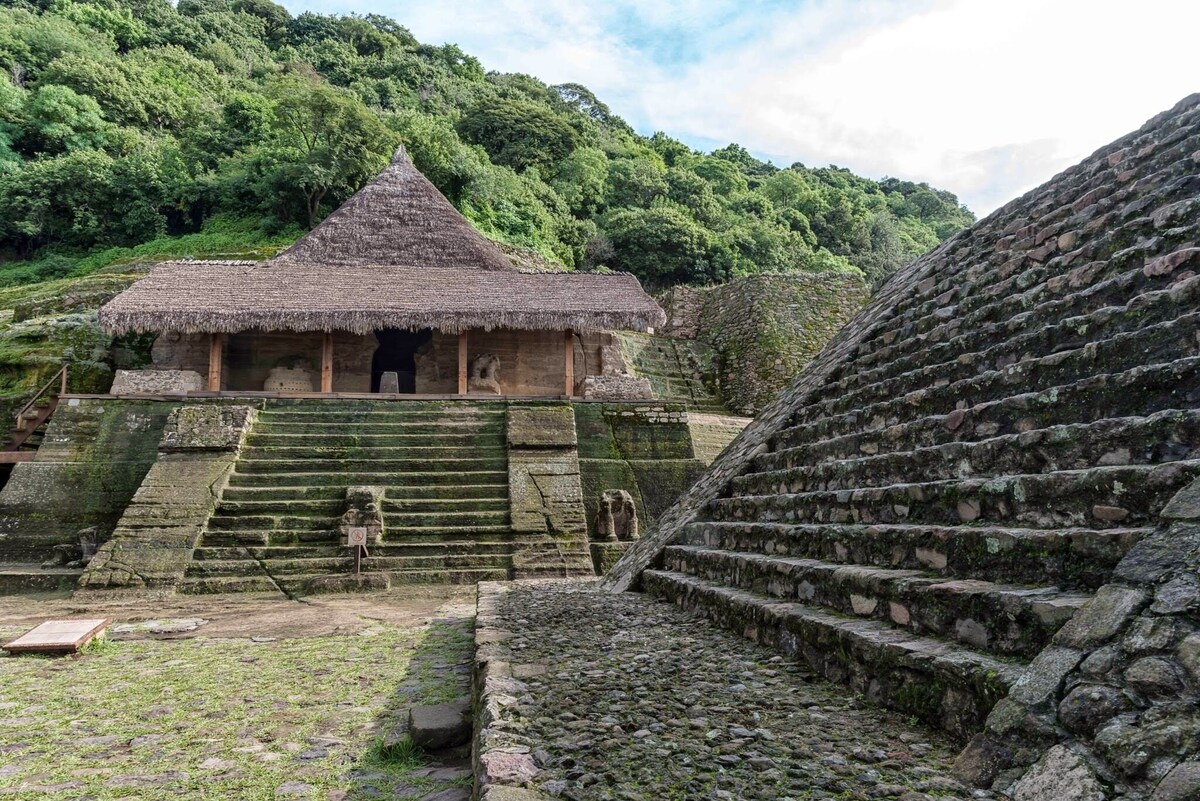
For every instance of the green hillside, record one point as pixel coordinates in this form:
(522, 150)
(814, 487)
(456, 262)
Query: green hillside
(229, 125)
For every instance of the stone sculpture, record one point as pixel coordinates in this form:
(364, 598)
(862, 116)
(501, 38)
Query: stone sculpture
(74, 555)
(389, 383)
(292, 374)
(616, 516)
(363, 511)
(485, 374)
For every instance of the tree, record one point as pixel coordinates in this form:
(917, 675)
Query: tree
(56, 119)
(663, 246)
(518, 134)
(324, 141)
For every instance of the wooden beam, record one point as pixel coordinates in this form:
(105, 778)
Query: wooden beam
(216, 344)
(327, 363)
(462, 363)
(569, 362)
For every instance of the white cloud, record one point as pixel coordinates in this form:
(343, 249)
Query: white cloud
(986, 98)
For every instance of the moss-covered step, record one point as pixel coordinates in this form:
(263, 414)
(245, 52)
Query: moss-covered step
(1068, 557)
(944, 684)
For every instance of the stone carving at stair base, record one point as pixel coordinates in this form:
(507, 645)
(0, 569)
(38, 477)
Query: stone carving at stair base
(363, 505)
(485, 374)
(616, 516)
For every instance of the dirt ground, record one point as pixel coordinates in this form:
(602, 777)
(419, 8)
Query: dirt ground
(235, 697)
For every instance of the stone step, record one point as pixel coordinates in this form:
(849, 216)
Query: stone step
(1162, 342)
(444, 484)
(887, 427)
(438, 457)
(353, 439)
(1102, 497)
(1122, 441)
(1017, 338)
(341, 410)
(18, 578)
(1068, 557)
(432, 494)
(408, 521)
(250, 537)
(372, 428)
(331, 508)
(992, 377)
(306, 584)
(1011, 620)
(944, 684)
(1119, 304)
(1022, 283)
(1040, 293)
(388, 548)
(282, 566)
(193, 585)
(367, 467)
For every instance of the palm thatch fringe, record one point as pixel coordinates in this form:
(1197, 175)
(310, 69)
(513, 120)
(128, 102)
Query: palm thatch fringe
(364, 322)
(236, 296)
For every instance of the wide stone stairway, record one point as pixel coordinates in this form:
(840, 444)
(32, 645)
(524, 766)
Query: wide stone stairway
(969, 471)
(443, 471)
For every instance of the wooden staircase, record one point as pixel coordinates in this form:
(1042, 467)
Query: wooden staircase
(29, 421)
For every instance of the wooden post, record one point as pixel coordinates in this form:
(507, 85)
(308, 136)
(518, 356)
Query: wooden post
(327, 363)
(216, 343)
(462, 363)
(62, 389)
(569, 362)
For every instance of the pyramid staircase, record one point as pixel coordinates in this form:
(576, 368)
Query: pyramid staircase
(991, 447)
(444, 472)
(674, 368)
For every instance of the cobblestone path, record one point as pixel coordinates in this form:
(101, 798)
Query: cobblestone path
(635, 699)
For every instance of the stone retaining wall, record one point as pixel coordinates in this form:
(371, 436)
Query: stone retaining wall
(501, 757)
(1108, 709)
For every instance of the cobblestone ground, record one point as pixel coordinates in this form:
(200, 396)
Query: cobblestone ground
(220, 699)
(641, 700)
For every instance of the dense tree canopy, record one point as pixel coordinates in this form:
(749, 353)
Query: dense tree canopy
(125, 120)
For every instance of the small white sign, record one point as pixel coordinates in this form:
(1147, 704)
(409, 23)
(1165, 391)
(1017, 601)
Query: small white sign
(356, 535)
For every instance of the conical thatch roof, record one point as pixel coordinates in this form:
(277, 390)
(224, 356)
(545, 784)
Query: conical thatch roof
(396, 255)
(399, 218)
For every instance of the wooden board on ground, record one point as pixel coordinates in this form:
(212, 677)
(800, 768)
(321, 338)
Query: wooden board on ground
(57, 636)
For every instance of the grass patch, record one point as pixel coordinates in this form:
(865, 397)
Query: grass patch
(224, 719)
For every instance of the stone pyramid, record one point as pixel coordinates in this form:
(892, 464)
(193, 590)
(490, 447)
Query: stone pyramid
(979, 504)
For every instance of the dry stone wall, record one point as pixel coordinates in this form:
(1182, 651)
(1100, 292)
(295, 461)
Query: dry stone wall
(764, 328)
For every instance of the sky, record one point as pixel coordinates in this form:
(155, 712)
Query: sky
(986, 98)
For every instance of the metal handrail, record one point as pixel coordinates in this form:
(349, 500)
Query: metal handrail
(60, 376)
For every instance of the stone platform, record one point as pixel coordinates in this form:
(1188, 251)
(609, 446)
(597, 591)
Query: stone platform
(583, 694)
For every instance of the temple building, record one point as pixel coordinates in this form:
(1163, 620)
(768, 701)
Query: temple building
(393, 293)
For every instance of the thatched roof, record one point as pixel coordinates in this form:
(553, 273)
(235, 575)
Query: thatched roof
(396, 255)
(236, 296)
(399, 218)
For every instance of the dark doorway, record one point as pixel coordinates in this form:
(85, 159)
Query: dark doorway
(397, 353)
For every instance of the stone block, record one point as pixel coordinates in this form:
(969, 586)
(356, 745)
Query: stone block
(1060, 775)
(541, 426)
(440, 726)
(617, 388)
(203, 427)
(157, 382)
(1102, 617)
(1185, 505)
(1181, 784)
